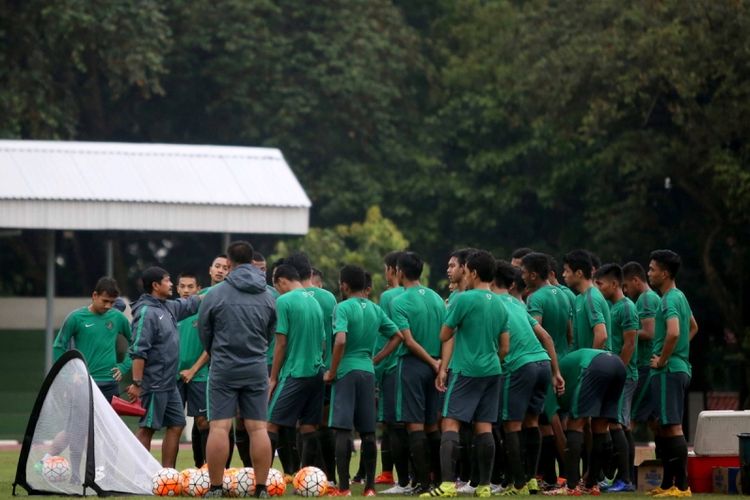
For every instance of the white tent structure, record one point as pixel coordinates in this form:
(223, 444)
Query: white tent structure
(55, 185)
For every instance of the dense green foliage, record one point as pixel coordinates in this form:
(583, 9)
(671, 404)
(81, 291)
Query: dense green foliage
(620, 127)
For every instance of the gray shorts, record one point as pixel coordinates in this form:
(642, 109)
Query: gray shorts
(163, 409)
(387, 398)
(353, 402)
(193, 396)
(250, 395)
(643, 409)
(297, 400)
(626, 399)
(598, 392)
(472, 399)
(524, 391)
(668, 392)
(416, 395)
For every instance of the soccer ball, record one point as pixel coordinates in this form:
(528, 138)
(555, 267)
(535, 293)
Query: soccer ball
(185, 478)
(56, 469)
(167, 483)
(275, 484)
(245, 482)
(198, 483)
(229, 482)
(310, 482)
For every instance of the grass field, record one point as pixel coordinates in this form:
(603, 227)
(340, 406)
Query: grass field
(9, 459)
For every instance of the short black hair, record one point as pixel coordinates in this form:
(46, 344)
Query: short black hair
(520, 253)
(368, 279)
(519, 282)
(505, 273)
(411, 264)
(579, 260)
(483, 263)
(107, 285)
(317, 272)
(612, 271)
(463, 254)
(189, 274)
(240, 252)
(301, 262)
(391, 259)
(221, 256)
(667, 260)
(286, 271)
(536, 262)
(595, 260)
(354, 276)
(634, 269)
(258, 257)
(151, 275)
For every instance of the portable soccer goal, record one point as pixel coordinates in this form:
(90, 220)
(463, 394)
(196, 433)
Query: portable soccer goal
(75, 444)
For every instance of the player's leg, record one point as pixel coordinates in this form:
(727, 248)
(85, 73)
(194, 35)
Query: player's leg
(542, 378)
(484, 417)
(341, 418)
(309, 417)
(673, 387)
(253, 406)
(364, 422)
(620, 441)
(414, 376)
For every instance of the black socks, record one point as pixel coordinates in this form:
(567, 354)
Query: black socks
(343, 456)
(515, 462)
(621, 454)
(400, 454)
(597, 458)
(433, 441)
(532, 450)
(370, 458)
(547, 460)
(418, 450)
(448, 451)
(484, 448)
(572, 458)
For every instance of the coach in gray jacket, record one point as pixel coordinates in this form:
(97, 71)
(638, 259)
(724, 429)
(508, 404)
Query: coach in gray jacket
(236, 320)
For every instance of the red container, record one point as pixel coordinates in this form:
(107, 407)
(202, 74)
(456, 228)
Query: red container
(700, 471)
(126, 408)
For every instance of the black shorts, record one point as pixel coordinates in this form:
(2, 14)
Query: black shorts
(193, 396)
(599, 389)
(163, 409)
(297, 400)
(668, 392)
(416, 395)
(387, 398)
(524, 391)
(624, 408)
(250, 395)
(353, 402)
(472, 399)
(109, 389)
(642, 409)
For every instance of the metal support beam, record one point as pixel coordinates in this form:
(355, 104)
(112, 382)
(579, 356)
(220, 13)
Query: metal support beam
(50, 305)
(225, 240)
(109, 249)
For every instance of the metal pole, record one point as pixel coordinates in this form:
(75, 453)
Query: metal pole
(49, 326)
(109, 250)
(225, 240)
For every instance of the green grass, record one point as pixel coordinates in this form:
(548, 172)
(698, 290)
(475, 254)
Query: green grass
(9, 460)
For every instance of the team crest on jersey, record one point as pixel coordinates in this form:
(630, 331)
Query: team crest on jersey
(421, 291)
(195, 323)
(488, 295)
(363, 305)
(109, 325)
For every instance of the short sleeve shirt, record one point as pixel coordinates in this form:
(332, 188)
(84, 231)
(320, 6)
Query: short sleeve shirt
(646, 305)
(590, 310)
(300, 319)
(191, 347)
(420, 310)
(479, 317)
(625, 318)
(571, 369)
(389, 363)
(524, 346)
(674, 304)
(327, 302)
(552, 305)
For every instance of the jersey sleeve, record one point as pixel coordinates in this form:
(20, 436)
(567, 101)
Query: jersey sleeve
(647, 306)
(62, 341)
(340, 319)
(593, 311)
(532, 322)
(182, 308)
(399, 314)
(629, 320)
(534, 305)
(124, 330)
(387, 327)
(282, 316)
(456, 312)
(669, 306)
(143, 333)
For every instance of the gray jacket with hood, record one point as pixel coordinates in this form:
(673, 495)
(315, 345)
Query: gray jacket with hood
(236, 319)
(155, 338)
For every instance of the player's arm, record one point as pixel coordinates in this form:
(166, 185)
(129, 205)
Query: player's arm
(206, 325)
(670, 342)
(125, 366)
(279, 353)
(388, 329)
(182, 308)
(646, 331)
(504, 342)
(187, 375)
(693, 327)
(446, 333)
(446, 352)
(134, 389)
(339, 347)
(549, 345)
(570, 332)
(417, 350)
(62, 341)
(628, 345)
(600, 336)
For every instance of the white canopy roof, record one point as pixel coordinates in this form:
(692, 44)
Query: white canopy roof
(154, 187)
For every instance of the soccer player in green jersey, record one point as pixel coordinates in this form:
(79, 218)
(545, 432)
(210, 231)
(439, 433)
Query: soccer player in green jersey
(529, 368)
(317, 278)
(219, 269)
(296, 382)
(674, 328)
(516, 258)
(476, 318)
(94, 330)
(418, 313)
(553, 269)
(608, 279)
(193, 370)
(394, 448)
(357, 321)
(591, 317)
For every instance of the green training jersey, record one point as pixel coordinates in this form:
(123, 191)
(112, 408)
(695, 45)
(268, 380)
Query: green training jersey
(389, 363)
(572, 368)
(570, 296)
(479, 317)
(624, 318)
(95, 335)
(674, 304)
(421, 310)
(646, 305)
(361, 320)
(272, 340)
(299, 317)
(591, 309)
(327, 302)
(191, 347)
(553, 307)
(524, 346)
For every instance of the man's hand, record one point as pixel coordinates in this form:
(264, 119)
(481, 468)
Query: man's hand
(442, 376)
(656, 361)
(187, 375)
(271, 387)
(436, 366)
(134, 392)
(558, 382)
(329, 377)
(116, 374)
